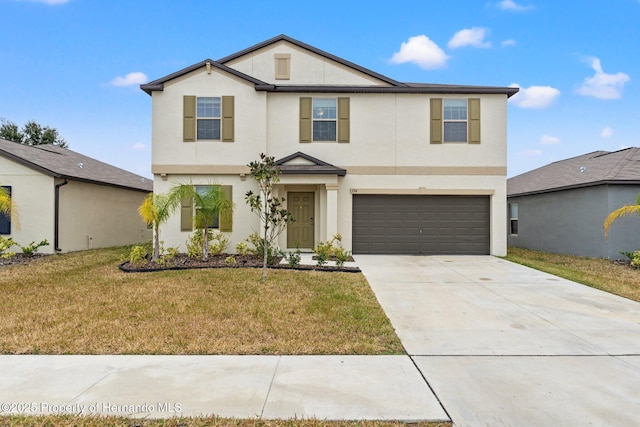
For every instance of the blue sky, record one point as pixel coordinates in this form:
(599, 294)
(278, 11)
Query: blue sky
(76, 65)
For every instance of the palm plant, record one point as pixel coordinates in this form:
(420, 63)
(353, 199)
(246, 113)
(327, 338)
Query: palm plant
(155, 210)
(619, 213)
(209, 204)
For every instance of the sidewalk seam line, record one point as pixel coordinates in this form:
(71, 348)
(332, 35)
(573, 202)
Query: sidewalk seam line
(275, 371)
(431, 388)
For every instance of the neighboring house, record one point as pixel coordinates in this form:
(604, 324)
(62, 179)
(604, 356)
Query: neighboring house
(393, 167)
(73, 201)
(561, 207)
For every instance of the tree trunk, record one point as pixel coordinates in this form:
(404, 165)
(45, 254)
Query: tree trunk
(156, 244)
(205, 245)
(265, 244)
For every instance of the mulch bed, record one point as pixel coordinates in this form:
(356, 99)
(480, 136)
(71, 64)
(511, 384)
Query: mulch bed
(20, 259)
(183, 262)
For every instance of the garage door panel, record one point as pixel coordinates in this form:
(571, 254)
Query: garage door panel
(404, 224)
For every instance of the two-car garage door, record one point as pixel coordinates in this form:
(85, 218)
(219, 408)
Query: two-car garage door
(417, 224)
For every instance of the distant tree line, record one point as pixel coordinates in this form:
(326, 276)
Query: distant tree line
(31, 133)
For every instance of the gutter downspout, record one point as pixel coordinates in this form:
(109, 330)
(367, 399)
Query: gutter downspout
(56, 216)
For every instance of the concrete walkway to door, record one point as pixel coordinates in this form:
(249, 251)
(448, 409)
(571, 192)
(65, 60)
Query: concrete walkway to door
(502, 344)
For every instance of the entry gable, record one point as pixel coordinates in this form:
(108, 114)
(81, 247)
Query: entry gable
(283, 60)
(301, 163)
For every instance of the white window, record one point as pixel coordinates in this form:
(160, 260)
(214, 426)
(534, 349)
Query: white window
(455, 120)
(513, 218)
(208, 117)
(324, 119)
(213, 221)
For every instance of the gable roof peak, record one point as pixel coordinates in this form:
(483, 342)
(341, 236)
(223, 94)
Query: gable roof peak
(298, 43)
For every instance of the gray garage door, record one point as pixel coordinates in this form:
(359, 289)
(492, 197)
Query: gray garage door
(431, 225)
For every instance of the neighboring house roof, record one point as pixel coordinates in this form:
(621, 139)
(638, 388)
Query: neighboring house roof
(394, 86)
(66, 164)
(599, 167)
(301, 163)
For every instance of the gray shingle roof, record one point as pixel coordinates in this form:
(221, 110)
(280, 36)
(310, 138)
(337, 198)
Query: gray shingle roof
(64, 163)
(599, 167)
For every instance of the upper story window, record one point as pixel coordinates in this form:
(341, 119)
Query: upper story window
(455, 120)
(324, 119)
(208, 119)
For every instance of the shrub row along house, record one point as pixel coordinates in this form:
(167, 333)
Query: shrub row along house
(71, 200)
(393, 167)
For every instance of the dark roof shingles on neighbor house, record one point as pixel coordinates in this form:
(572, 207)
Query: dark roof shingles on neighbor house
(64, 163)
(599, 167)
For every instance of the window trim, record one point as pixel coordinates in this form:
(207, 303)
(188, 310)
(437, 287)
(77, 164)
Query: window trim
(315, 119)
(445, 121)
(513, 220)
(6, 219)
(212, 118)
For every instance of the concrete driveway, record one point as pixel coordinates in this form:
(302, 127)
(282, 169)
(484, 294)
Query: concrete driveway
(504, 345)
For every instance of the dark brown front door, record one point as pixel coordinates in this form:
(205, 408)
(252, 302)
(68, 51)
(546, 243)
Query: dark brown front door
(300, 232)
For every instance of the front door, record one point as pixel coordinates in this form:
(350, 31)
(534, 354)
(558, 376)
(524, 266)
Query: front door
(300, 232)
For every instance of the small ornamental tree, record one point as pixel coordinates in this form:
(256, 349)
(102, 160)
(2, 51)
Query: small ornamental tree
(273, 217)
(155, 210)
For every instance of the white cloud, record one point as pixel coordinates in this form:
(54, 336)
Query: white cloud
(139, 146)
(511, 42)
(130, 79)
(534, 96)
(513, 6)
(420, 50)
(532, 153)
(549, 140)
(603, 85)
(469, 37)
(606, 133)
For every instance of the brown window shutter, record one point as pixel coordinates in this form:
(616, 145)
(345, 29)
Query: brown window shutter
(189, 119)
(436, 120)
(305, 119)
(474, 120)
(186, 214)
(343, 119)
(226, 216)
(227, 118)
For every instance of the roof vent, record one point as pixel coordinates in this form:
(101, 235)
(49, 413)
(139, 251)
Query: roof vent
(583, 169)
(80, 165)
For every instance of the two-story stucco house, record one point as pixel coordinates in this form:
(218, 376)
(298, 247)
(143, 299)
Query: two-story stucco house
(393, 167)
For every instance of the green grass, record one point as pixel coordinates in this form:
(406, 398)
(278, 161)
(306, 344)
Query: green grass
(597, 273)
(68, 421)
(81, 303)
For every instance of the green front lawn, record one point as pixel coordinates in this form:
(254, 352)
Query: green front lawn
(81, 303)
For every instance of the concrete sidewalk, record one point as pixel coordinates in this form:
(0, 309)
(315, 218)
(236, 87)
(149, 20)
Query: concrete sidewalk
(324, 387)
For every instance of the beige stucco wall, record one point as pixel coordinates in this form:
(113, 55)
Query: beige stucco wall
(306, 68)
(389, 147)
(244, 221)
(249, 121)
(32, 193)
(99, 216)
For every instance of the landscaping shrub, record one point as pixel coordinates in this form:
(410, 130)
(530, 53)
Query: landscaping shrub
(218, 242)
